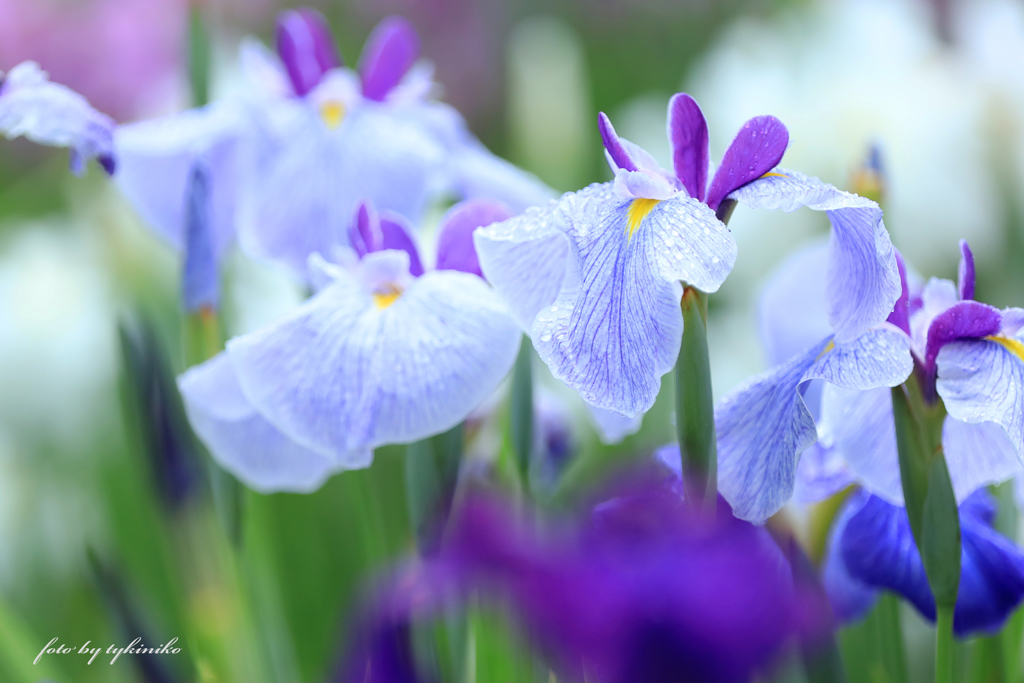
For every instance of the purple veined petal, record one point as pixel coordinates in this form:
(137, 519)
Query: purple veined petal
(52, 114)
(878, 358)
(983, 381)
(964, 320)
(965, 272)
(306, 46)
(793, 313)
(200, 280)
(763, 425)
(245, 443)
(613, 145)
(851, 599)
(757, 149)
(863, 278)
(614, 328)
(820, 474)
(396, 233)
(688, 134)
(390, 51)
(401, 367)
(900, 316)
(455, 248)
(525, 259)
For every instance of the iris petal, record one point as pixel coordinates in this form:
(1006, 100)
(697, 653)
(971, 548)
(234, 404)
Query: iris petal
(615, 326)
(390, 52)
(340, 374)
(851, 599)
(983, 381)
(863, 279)
(245, 443)
(49, 113)
(308, 180)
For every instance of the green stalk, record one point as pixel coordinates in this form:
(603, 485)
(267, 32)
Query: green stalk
(198, 58)
(931, 506)
(944, 645)
(695, 408)
(521, 412)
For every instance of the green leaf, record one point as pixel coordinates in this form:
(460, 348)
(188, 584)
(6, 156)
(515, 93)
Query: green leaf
(521, 410)
(940, 544)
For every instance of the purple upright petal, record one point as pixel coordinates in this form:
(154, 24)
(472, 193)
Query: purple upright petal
(900, 316)
(756, 149)
(396, 233)
(615, 148)
(965, 273)
(455, 248)
(364, 232)
(965, 320)
(306, 46)
(688, 134)
(390, 51)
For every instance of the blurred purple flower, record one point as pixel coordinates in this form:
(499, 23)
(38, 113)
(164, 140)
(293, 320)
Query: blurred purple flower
(125, 56)
(641, 590)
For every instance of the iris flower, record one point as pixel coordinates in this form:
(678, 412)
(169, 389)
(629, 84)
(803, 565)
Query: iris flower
(872, 548)
(594, 278)
(385, 352)
(291, 156)
(968, 354)
(766, 423)
(52, 114)
(642, 589)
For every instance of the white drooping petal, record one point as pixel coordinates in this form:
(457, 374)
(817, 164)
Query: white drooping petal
(52, 114)
(863, 281)
(351, 370)
(245, 443)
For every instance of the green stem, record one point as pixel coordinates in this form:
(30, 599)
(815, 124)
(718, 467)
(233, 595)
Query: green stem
(521, 412)
(695, 408)
(944, 644)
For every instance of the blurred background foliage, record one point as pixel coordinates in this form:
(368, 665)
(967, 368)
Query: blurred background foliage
(93, 545)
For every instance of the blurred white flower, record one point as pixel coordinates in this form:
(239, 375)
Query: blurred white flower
(57, 338)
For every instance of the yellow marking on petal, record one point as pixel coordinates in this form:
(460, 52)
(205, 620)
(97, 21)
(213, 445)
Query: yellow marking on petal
(637, 211)
(1012, 345)
(773, 174)
(332, 112)
(828, 347)
(387, 296)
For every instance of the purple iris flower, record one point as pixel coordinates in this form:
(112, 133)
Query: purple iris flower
(292, 155)
(52, 114)
(594, 278)
(766, 423)
(385, 352)
(968, 354)
(642, 589)
(872, 548)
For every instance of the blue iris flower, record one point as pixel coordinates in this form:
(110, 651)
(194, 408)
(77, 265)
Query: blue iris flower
(385, 352)
(594, 278)
(872, 548)
(52, 114)
(290, 157)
